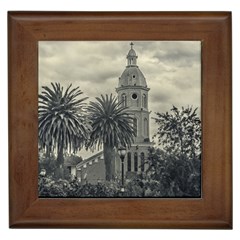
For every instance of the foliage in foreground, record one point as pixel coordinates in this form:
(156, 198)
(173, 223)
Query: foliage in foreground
(48, 187)
(174, 176)
(163, 184)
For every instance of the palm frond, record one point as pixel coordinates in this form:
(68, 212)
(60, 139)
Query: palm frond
(111, 124)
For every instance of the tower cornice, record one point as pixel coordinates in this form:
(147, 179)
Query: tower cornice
(132, 88)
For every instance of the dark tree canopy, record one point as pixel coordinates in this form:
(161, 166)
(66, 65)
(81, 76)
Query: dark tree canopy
(179, 132)
(176, 165)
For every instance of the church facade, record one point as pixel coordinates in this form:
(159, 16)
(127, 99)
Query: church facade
(132, 92)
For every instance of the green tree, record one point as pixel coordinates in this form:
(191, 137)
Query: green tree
(173, 176)
(111, 127)
(62, 122)
(177, 164)
(179, 132)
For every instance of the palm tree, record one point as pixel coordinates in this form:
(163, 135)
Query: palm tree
(62, 122)
(111, 127)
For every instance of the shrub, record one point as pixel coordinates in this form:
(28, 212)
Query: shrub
(48, 187)
(91, 190)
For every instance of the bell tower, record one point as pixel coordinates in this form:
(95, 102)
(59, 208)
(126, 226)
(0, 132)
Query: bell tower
(133, 92)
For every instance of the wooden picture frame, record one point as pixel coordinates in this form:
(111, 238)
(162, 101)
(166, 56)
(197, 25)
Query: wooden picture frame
(213, 210)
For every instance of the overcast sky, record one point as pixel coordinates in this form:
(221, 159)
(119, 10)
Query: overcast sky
(172, 69)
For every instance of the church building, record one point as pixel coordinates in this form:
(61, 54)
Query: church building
(132, 91)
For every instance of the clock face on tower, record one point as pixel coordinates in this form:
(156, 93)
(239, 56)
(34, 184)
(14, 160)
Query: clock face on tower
(134, 96)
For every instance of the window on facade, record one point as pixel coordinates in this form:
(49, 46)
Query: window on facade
(145, 127)
(124, 100)
(135, 126)
(142, 161)
(129, 163)
(144, 100)
(135, 162)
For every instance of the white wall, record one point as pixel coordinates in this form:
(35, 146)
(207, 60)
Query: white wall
(73, 171)
(124, 5)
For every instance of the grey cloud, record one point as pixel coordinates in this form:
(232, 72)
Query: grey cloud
(159, 96)
(182, 54)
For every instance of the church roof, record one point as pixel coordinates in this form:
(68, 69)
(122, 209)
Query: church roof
(91, 158)
(132, 75)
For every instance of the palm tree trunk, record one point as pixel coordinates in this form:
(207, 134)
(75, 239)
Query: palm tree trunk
(59, 172)
(60, 158)
(48, 153)
(109, 159)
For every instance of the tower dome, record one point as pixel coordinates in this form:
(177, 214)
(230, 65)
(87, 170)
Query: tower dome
(132, 53)
(132, 75)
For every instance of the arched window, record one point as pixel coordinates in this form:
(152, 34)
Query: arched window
(145, 127)
(135, 126)
(142, 161)
(135, 162)
(129, 162)
(144, 100)
(124, 100)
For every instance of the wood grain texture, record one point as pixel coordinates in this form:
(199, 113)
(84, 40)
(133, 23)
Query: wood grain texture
(213, 210)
